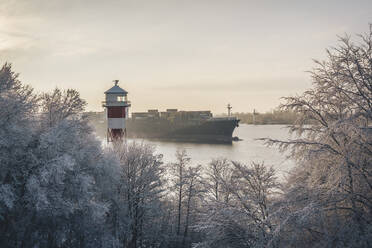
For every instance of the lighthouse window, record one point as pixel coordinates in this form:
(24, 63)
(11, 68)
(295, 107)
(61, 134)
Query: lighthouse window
(120, 99)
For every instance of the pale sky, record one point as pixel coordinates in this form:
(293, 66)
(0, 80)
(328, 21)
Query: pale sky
(190, 55)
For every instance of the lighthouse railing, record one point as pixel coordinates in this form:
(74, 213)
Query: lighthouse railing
(116, 103)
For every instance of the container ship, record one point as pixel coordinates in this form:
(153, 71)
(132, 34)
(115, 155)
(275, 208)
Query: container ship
(173, 125)
(185, 126)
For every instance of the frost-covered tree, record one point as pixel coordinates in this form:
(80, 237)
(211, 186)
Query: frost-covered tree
(62, 191)
(60, 105)
(217, 172)
(178, 172)
(328, 198)
(244, 220)
(193, 192)
(18, 106)
(51, 176)
(186, 190)
(141, 192)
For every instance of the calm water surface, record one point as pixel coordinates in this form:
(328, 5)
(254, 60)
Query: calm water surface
(245, 151)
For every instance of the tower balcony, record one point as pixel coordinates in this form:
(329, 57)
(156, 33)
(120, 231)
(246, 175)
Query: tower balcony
(116, 103)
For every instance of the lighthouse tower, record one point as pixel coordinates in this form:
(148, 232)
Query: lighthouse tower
(117, 106)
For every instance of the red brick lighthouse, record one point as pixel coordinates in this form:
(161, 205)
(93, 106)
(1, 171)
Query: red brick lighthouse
(117, 106)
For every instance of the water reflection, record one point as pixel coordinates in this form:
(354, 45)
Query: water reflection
(245, 151)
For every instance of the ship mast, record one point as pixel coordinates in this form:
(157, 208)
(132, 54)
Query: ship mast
(229, 110)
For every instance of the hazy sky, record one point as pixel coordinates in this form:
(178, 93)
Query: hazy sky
(191, 55)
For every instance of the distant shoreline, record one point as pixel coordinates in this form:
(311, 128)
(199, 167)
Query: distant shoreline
(276, 117)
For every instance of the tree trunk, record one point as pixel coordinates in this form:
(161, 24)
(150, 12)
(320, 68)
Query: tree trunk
(187, 217)
(179, 203)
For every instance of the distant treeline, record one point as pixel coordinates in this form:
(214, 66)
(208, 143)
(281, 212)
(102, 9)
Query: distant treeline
(273, 117)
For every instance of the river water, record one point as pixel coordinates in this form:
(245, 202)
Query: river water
(244, 151)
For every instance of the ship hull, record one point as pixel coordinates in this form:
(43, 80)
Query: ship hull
(206, 131)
